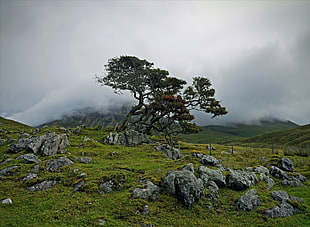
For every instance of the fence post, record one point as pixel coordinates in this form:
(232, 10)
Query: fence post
(210, 148)
(272, 149)
(232, 149)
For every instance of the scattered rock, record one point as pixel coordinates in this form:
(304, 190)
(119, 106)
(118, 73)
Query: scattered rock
(283, 196)
(29, 158)
(292, 183)
(184, 185)
(30, 176)
(208, 175)
(102, 221)
(287, 165)
(278, 173)
(128, 138)
(210, 160)
(35, 168)
(114, 153)
(144, 210)
(171, 152)
(78, 186)
(106, 187)
(151, 192)
(6, 201)
(6, 171)
(86, 139)
(85, 159)
(294, 179)
(213, 188)
(42, 186)
(53, 165)
(264, 175)
(240, 180)
(249, 201)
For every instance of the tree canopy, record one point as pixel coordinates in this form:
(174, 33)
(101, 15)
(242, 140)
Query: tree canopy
(163, 104)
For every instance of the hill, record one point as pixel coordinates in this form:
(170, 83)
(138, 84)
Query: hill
(94, 184)
(299, 136)
(233, 132)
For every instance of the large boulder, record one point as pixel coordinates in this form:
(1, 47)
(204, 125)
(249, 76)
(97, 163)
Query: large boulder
(184, 185)
(151, 192)
(249, 201)
(206, 175)
(53, 165)
(210, 160)
(48, 144)
(129, 138)
(240, 180)
(171, 152)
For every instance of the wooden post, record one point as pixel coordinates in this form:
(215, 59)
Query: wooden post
(272, 148)
(232, 149)
(210, 148)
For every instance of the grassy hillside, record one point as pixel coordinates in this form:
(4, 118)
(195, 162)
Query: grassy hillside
(129, 167)
(221, 134)
(299, 136)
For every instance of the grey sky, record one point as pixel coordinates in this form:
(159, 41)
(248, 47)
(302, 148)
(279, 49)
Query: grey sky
(256, 53)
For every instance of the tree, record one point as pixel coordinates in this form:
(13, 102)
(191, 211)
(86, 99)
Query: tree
(163, 105)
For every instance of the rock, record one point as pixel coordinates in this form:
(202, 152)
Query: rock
(264, 175)
(189, 167)
(29, 158)
(6, 201)
(128, 138)
(284, 210)
(249, 201)
(24, 135)
(6, 171)
(210, 148)
(48, 144)
(151, 192)
(42, 186)
(106, 187)
(287, 165)
(213, 188)
(171, 152)
(240, 180)
(185, 186)
(292, 183)
(294, 179)
(207, 175)
(283, 196)
(278, 173)
(35, 168)
(53, 165)
(144, 210)
(198, 155)
(102, 221)
(78, 186)
(30, 176)
(85, 159)
(210, 160)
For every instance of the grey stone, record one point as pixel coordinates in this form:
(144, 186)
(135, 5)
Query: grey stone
(106, 187)
(240, 180)
(185, 186)
(48, 144)
(6, 171)
(284, 210)
(213, 188)
(85, 159)
(207, 175)
(287, 165)
(189, 167)
(35, 168)
(128, 138)
(198, 155)
(42, 186)
(278, 173)
(102, 221)
(171, 152)
(53, 165)
(249, 201)
(210, 160)
(6, 201)
(29, 158)
(144, 210)
(78, 186)
(30, 176)
(283, 196)
(151, 192)
(292, 183)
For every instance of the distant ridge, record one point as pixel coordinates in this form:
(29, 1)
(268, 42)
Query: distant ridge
(91, 117)
(233, 132)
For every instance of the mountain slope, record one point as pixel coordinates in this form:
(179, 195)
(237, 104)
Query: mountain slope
(221, 134)
(299, 136)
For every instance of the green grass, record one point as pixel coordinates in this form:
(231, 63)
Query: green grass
(60, 206)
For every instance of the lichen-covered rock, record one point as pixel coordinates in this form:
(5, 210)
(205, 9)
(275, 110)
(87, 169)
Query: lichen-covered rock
(42, 186)
(171, 152)
(53, 165)
(207, 175)
(249, 201)
(184, 185)
(151, 192)
(240, 180)
(48, 144)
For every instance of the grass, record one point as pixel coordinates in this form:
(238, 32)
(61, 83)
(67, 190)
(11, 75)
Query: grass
(60, 206)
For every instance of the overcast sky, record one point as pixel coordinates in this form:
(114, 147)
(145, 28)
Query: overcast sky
(256, 54)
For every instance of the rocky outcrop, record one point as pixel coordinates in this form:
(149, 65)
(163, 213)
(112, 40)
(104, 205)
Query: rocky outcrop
(47, 184)
(53, 165)
(249, 201)
(207, 175)
(264, 175)
(285, 209)
(128, 138)
(48, 144)
(184, 185)
(151, 192)
(171, 152)
(240, 180)
(287, 164)
(292, 179)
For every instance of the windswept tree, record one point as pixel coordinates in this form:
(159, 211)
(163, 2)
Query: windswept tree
(163, 105)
